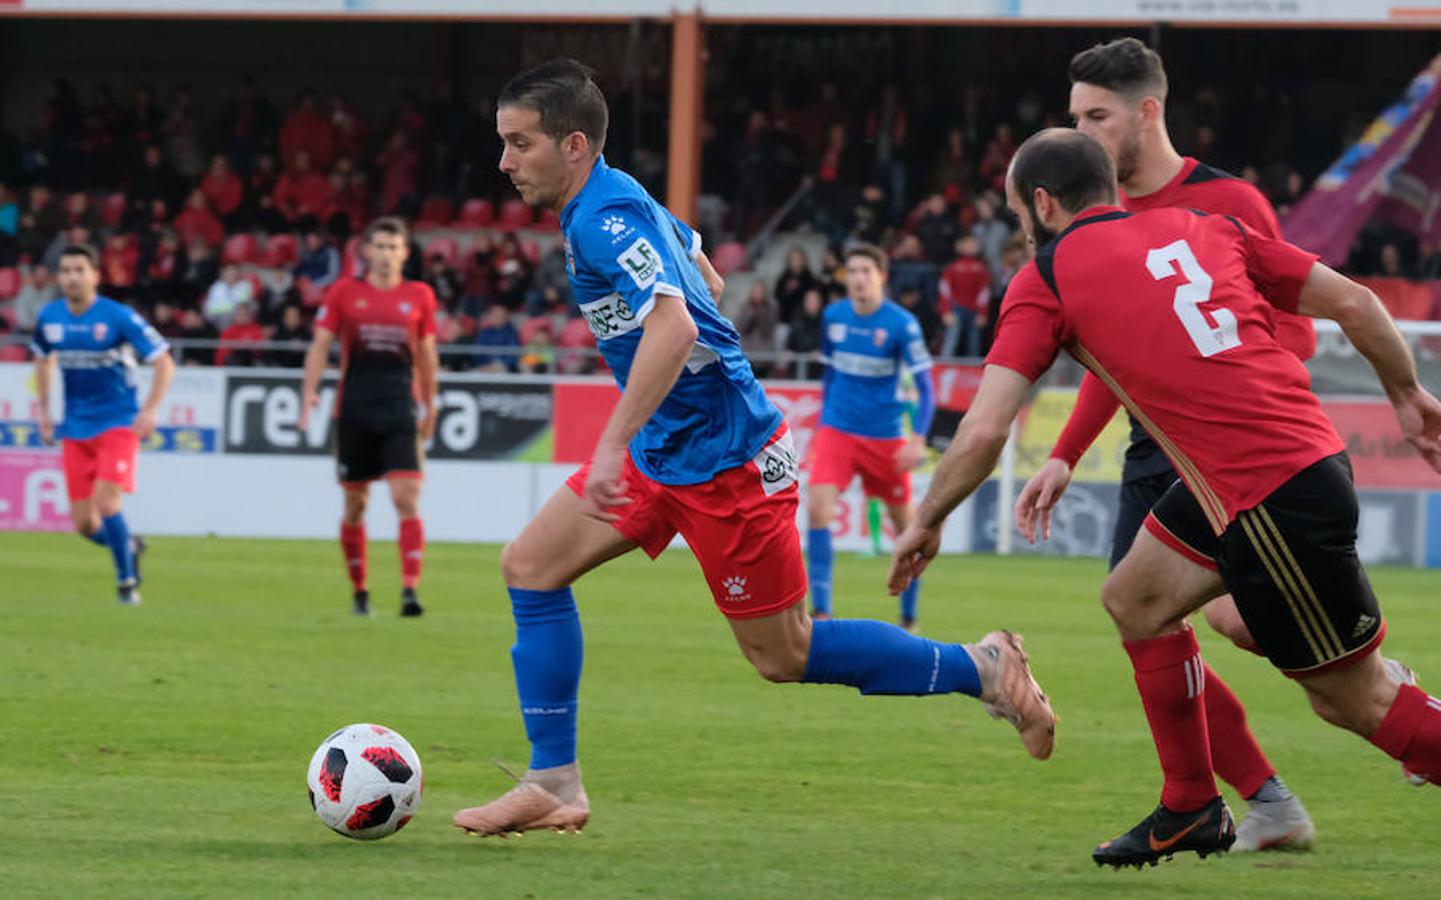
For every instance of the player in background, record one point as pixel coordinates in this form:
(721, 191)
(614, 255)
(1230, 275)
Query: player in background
(868, 342)
(386, 329)
(94, 341)
(693, 447)
(1266, 507)
(1118, 95)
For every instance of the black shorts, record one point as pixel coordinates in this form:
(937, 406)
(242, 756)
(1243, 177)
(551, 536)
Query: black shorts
(365, 452)
(1291, 565)
(1137, 497)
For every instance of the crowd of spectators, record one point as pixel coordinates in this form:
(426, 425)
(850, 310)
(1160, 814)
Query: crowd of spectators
(231, 232)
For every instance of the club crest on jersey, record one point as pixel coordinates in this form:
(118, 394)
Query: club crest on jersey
(405, 308)
(569, 256)
(99, 330)
(837, 332)
(879, 337)
(360, 304)
(54, 333)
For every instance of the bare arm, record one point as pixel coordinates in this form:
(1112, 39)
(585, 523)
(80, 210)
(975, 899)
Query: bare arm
(427, 364)
(44, 378)
(713, 279)
(668, 335)
(146, 420)
(316, 359)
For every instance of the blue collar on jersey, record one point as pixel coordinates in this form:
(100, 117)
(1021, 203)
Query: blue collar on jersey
(599, 168)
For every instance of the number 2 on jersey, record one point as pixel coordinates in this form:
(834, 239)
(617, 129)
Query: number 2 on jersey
(1195, 290)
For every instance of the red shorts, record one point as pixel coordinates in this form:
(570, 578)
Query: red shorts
(837, 457)
(109, 456)
(741, 525)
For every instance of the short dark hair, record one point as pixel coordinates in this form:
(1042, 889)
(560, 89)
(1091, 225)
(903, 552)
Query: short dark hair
(1072, 167)
(1125, 66)
(84, 250)
(871, 252)
(567, 98)
(387, 225)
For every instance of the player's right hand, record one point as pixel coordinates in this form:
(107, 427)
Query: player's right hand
(47, 429)
(914, 550)
(604, 484)
(1039, 497)
(1420, 416)
(308, 401)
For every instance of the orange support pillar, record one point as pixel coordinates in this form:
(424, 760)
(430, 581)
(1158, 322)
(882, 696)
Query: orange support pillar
(687, 65)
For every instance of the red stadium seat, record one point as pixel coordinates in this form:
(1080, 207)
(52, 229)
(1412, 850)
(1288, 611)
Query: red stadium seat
(240, 248)
(446, 247)
(14, 353)
(531, 250)
(113, 210)
(476, 213)
(533, 326)
(281, 251)
(351, 265)
(436, 213)
(311, 295)
(10, 282)
(515, 214)
(548, 221)
(729, 257)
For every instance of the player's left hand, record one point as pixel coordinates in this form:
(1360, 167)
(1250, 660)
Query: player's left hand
(604, 486)
(426, 428)
(915, 548)
(144, 424)
(1420, 417)
(910, 454)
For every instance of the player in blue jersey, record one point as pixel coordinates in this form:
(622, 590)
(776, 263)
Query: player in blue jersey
(867, 344)
(95, 341)
(693, 447)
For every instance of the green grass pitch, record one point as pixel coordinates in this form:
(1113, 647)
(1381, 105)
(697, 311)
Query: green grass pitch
(161, 751)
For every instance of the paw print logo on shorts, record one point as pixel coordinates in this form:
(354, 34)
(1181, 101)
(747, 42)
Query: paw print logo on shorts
(613, 225)
(735, 587)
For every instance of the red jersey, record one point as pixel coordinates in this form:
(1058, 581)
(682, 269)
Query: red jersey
(1198, 186)
(380, 333)
(963, 283)
(1173, 310)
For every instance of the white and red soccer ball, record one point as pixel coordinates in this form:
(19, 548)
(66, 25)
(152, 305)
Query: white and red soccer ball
(365, 781)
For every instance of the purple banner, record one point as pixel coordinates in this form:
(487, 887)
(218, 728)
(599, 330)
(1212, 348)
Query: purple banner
(1393, 173)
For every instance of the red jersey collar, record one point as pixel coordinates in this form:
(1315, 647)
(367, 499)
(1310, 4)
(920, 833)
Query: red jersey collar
(1100, 209)
(1188, 165)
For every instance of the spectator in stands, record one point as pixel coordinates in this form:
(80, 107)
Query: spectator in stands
(303, 197)
(496, 331)
(38, 290)
(399, 168)
(910, 299)
(249, 125)
(870, 216)
(575, 343)
(161, 269)
(756, 322)
(223, 190)
(308, 130)
(166, 320)
(1013, 258)
(550, 279)
(804, 339)
(990, 231)
(1391, 263)
(1428, 268)
(154, 180)
(182, 136)
(888, 135)
(197, 222)
(228, 293)
(513, 272)
(260, 194)
(119, 264)
(997, 157)
(818, 122)
(9, 213)
(910, 270)
(238, 339)
(200, 269)
(937, 229)
(194, 327)
(292, 328)
(79, 211)
(75, 234)
(319, 263)
(143, 125)
(351, 189)
(837, 172)
(444, 281)
(45, 209)
(755, 161)
(965, 299)
(348, 130)
(539, 356)
(793, 283)
(951, 174)
(30, 242)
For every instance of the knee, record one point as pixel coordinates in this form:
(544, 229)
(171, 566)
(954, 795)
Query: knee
(354, 509)
(778, 668)
(522, 568)
(1118, 603)
(86, 525)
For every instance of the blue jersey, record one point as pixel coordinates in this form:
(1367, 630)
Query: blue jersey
(96, 351)
(622, 248)
(865, 356)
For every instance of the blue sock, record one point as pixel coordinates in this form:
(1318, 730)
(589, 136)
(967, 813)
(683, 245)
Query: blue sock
(547, 656)
(117, 538)
(98, 537)
(818, 551)
(879, 658)
(910, 598)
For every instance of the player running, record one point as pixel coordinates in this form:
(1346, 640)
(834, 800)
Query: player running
(1172, 310)
(386, 328)
(95, 341)
(694, 447)
(867, 344)
(1118, 95)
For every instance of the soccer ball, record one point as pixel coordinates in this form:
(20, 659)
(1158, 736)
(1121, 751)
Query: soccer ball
(365, 781)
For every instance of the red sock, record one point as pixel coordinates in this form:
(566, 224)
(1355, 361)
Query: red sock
(352, 545)
(412, 551)
(1411, 732)
(1172, 680)
(1237, 757)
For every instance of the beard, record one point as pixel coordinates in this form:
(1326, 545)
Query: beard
(1128, 156)
(1040, 234)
